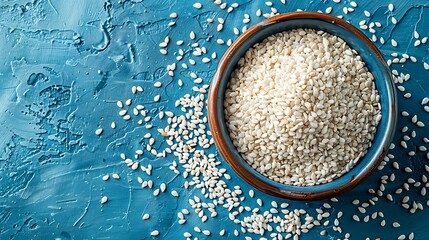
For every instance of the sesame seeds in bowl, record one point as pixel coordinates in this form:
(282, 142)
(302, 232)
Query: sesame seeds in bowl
(302, 106)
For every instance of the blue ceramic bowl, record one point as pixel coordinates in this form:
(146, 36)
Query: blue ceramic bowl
(375, 63)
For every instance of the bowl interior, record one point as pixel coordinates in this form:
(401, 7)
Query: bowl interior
(383, 83)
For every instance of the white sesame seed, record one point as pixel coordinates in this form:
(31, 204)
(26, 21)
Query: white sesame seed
(417, 43)
(367, 14)
(99, 131)
(420, 124)
(163, 187)
(182, 221)
(174, 193)
(104, 200)
(416, 34)
(423, 191)
(192, 35)
(146, 216)
(154, 233)
(187, 235)
(197, 5)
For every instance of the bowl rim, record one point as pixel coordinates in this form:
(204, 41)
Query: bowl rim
(225, 151)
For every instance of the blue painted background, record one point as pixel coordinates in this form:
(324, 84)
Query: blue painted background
(63, 66)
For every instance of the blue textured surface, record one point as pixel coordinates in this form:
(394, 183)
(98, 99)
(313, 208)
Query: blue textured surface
(64, 64)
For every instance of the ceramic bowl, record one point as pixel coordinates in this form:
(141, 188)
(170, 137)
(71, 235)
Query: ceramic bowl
(375, 63)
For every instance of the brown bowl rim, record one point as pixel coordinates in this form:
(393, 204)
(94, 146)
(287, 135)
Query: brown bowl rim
(213, 117)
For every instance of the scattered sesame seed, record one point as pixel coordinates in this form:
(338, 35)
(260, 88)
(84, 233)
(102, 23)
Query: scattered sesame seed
(197, 5)
(104, 200)
(192, 35)
(99, 131)
(154, 233)
(367, 14)
(417, 43)
(174, 193)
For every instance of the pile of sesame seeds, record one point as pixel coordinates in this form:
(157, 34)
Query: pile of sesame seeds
(301, 107)
(191, 156)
